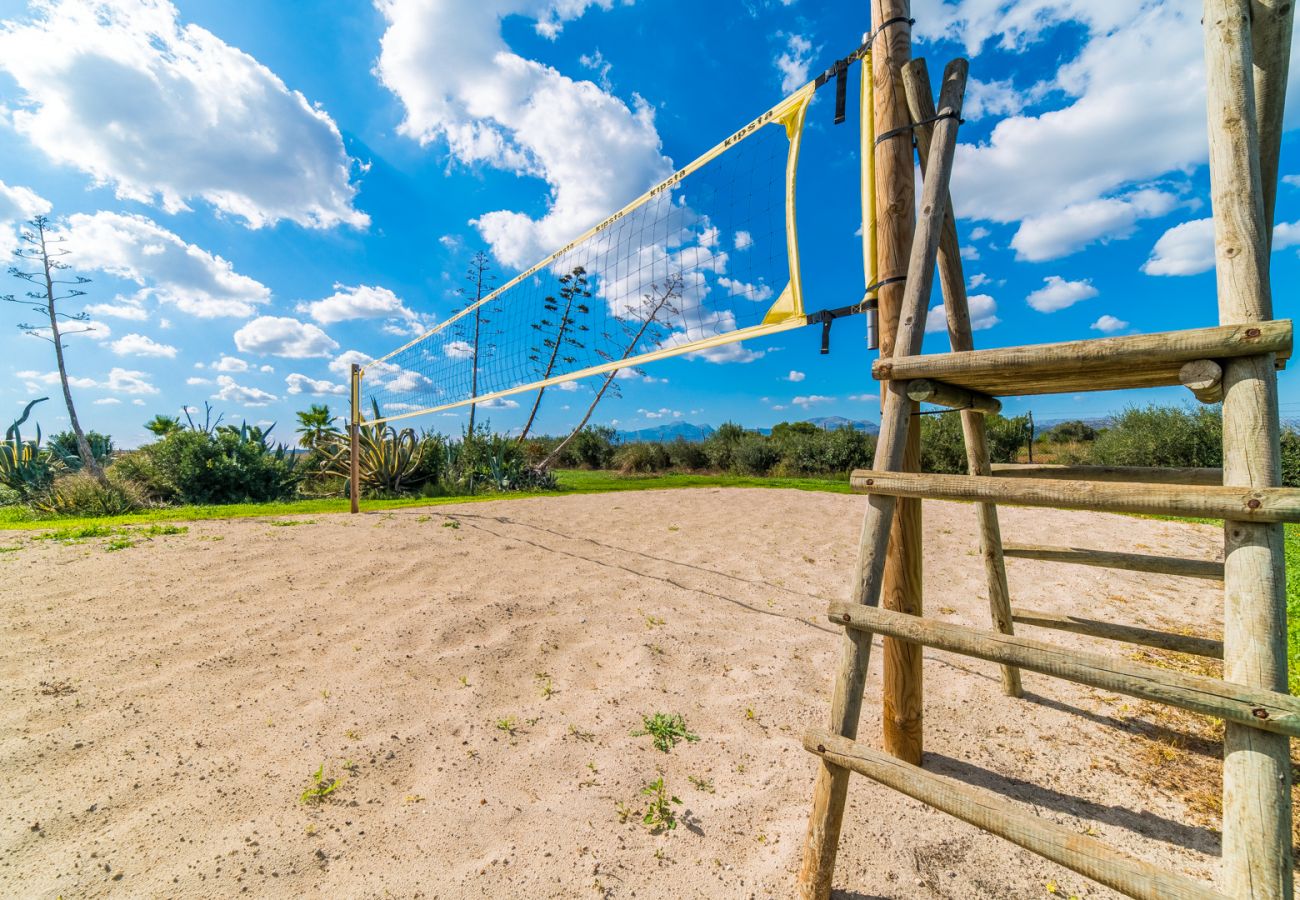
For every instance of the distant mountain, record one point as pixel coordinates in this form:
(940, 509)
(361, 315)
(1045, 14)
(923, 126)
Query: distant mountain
(691, 432)
(668, 432)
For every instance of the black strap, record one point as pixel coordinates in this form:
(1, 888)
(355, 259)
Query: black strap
(841, 91)
(893, 279)
(908, 129)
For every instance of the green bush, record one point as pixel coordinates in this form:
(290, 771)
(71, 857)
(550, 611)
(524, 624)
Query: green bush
(640, 457)
(1073, 431)
(1162, 436)
(593, 447)
(943, 444)
(81, 494)
(754, 454)
(688, 455)
(140, 467)
(1291, 458)
(721, 445)
(230, 465)
(64, 447)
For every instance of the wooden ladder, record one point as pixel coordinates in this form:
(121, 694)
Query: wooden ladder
(1245, 350)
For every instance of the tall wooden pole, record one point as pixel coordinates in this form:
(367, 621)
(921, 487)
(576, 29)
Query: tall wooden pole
(1270, 31)
(354, 440)
(1256, 764)
(895, 224)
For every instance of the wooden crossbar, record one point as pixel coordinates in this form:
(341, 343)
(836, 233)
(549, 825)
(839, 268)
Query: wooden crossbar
(1132, 634)
(925, 390)
(998, 815)
(1100, 364)
(1259, 708)
(1241, 504)
(1149, 474)
(1112, 559)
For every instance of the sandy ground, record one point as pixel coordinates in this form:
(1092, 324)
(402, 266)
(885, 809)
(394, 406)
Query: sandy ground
(164, 706)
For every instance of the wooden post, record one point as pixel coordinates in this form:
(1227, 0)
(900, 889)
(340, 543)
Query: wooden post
(354, 428)
(1204, 378)
(920, 101)
(1256, 765)
(1271, 56)
(822, 839)
(895, 216)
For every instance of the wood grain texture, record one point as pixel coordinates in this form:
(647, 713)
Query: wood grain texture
(1257, 856)
(952, 280)
(1204, 378)
(1111, 631)
(1002, 817)
(1149, 474)
(1270, 36)
(924, 390)
(1142, 360)
(1237, 503)
(1265, 710)
(1111, 559)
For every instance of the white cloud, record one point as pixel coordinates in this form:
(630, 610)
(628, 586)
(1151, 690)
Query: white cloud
(1185, 249)
(124, 309)
(979, 233)
(361, 302)
(795, 376)
(128, 381)
(1286, 235)
(230, 364)
(991, 98)
(1109, 324)
(166, 112)
(301, 384)
(983, 314)
(1065, 231)
(137, 249)
(794, 63)
(198, 382)
(1057, 294)
(970, 252)
(661, 413)
(499, 403)
(107, 401)
(865, 398)
(1292, 180)
(141, 345)
(744, 240)
(811, 400)
(241, 395)
(978, 280)
(736, 288)
(284, 336)
(459, 349)
(459, 82)
(17, 205)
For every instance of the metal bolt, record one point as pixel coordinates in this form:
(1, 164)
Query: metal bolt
(1252, 332)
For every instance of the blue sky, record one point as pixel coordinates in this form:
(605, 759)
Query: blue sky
(263, 191)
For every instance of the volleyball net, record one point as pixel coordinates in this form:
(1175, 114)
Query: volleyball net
(702, 261)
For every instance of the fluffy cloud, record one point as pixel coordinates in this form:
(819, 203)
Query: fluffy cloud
(166, 268)
(230, 364)
(1057, 294)
(124, 309)
(17, 205)
(141, 345)
(284, 336)
(360, 302)
(166, 112)
(460, 83)
(1185, 249)
(1062, 232)
(794, 62)
(811, 400)
(795, 376)
(232, 392)
(118, 381)
(983, 314)
(1109, 324)
(301, 384)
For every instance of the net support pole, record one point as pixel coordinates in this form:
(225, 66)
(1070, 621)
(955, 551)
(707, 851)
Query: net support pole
(1256, 765)
(354, 440)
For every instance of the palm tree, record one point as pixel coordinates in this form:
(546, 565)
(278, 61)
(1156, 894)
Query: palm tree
(317, 427)
(163, 425)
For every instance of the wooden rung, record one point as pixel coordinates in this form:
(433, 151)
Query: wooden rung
(1103, 364)
(1259, 708)
(1148, 474)
(925, 390)
(1131, 634)
(1000, 816)
(1238, 504)
(1110, 559)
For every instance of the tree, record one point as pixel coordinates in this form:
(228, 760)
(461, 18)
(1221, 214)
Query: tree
(46, 301)
(559, 333)
(470, 327)
(163, 425)
(317, 428)
(642, 323)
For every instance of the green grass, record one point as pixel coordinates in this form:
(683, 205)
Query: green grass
(571, 482)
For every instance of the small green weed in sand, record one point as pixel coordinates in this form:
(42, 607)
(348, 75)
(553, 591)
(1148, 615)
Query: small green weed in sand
(321, 787)
(659, 815)
(667, 731)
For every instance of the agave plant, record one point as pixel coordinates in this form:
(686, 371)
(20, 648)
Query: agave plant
(388, 460)
(24, 467)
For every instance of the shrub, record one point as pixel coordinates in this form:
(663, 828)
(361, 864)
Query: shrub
(754, 454)
(64, 448)
(641, 457)
(943, 444)
(81, 494)
(1162, 436)
(1071, 432)
(1291, 458)
(230, 465)
(686, 454)
(593, 447)
(140, 467)
(721, 445)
